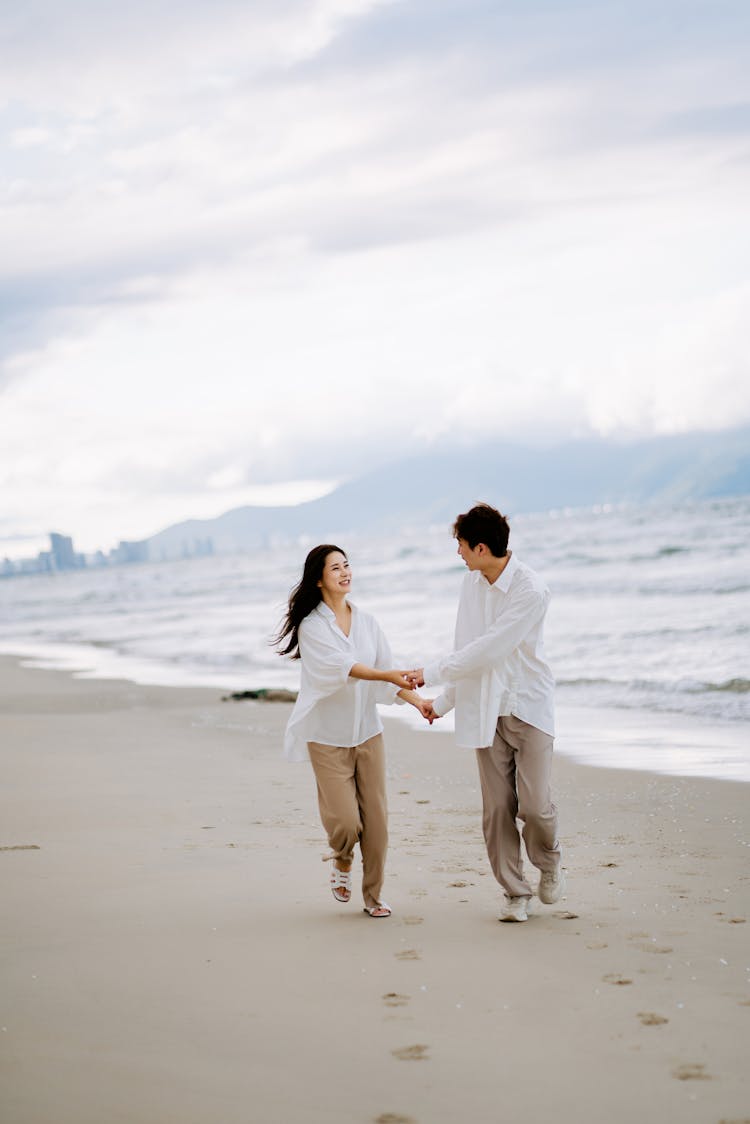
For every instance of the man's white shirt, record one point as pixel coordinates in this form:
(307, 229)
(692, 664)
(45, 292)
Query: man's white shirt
(497, 667)
(331, 708)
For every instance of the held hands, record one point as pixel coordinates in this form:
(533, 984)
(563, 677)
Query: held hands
(416, 676)
(406, 680)
(426, 709)
(424, 706)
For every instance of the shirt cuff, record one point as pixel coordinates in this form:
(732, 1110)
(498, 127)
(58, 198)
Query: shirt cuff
(441, 706)
(431, 672)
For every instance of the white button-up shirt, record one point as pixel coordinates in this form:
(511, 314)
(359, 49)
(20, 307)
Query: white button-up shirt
(331, 708)
(497, 666)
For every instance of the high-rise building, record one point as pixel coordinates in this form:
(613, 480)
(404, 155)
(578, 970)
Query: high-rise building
(130, 552)
(64, 556)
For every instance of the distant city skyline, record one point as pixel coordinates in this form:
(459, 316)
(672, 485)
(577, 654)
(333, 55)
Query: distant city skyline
(260, 249)
(680, 471)
(62, 556)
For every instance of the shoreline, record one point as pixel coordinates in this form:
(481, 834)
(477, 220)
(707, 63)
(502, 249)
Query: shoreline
(705, 747)
(173, 954)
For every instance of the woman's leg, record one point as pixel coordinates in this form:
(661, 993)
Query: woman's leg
(334, 768)
(369, 759)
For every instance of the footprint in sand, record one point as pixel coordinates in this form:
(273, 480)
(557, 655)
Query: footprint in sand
(648, 1018)
(565, 915)
(416, 1053)
(663, 948)
(393, 999)
(408, 954)
(394, 1118)
(691, 1072)
(460, 885)
(597, 944)
(412, 920)
(616, 978)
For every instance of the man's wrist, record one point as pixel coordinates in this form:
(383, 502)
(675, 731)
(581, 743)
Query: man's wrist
(431, 672)
(437, 706)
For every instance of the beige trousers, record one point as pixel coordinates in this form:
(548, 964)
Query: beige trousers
(515, 776)
(353, 808)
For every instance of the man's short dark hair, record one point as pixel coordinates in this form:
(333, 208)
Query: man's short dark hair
(483, 524)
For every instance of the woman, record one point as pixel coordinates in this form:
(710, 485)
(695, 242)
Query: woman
(345, 672)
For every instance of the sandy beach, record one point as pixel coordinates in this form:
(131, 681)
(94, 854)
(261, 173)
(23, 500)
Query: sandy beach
(171, 953)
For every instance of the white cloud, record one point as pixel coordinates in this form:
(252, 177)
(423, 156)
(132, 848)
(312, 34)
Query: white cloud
(282, 241)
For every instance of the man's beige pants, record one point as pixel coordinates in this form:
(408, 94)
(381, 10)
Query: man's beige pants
(353, 808)
(515, 775)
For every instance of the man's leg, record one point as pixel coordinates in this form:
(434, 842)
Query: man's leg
(497, 774)
(533, 780)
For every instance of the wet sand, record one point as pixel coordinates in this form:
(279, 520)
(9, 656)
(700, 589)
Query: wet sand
(171, 952)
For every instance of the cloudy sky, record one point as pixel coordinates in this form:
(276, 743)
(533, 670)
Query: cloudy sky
(255, 246)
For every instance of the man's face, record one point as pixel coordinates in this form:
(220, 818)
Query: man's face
(472, 555)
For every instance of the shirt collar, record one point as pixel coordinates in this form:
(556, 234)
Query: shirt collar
(327, 612)
(507, 575)
(503, 582)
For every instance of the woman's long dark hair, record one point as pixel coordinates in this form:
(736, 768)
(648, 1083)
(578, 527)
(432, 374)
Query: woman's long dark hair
(303, 598)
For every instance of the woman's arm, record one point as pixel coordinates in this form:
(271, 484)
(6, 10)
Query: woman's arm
(424, 706)
(402, 679)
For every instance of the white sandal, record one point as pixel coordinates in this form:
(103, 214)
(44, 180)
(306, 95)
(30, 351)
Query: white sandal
(341, 884)
(382, 909)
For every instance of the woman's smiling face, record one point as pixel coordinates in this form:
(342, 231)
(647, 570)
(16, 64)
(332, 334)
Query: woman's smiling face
(337, 576)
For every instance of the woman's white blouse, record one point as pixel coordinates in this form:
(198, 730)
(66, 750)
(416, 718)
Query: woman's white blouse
(331, 708)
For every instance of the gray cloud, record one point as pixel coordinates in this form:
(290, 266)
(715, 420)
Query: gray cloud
(541, 39)
(36, 308)
(42, 30)
(729, 119)
(470, 51)
(179, 174)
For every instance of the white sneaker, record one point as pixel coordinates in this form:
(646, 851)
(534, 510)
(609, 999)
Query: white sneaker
(551, 886)
(515, 909)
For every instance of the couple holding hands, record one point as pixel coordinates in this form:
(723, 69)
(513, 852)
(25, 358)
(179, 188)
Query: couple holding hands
(496, 678)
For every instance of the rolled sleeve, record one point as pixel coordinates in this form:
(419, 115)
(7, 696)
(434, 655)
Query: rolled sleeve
(497, 643)
(326, 665)
(444, 702)
(386, 693)
(431, 673)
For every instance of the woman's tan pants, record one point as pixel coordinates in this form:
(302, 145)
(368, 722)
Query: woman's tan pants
(353, 808)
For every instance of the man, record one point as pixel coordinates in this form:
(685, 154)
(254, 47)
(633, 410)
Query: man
(502, 690)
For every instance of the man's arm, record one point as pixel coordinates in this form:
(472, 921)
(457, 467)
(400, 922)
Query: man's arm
(493, 646)
(444, 702)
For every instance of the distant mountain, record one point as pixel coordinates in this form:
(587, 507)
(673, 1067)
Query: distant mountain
(433, 487)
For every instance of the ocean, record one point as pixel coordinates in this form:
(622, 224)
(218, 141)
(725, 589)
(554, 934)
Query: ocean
(650, 611)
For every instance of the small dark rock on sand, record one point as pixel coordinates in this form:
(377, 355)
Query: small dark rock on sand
(263, 694)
